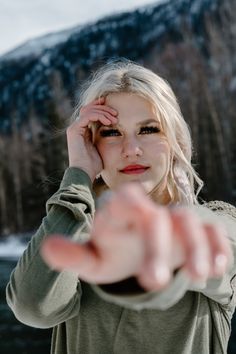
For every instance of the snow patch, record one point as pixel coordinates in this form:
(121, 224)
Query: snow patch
(36, 46)
(12, 247)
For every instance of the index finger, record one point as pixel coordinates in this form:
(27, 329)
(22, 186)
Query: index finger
(100, 100)
(63, 254)
(156, 272)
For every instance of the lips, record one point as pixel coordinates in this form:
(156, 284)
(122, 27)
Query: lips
(134, 169)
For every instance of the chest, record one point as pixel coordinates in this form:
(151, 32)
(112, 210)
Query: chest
(119, 330)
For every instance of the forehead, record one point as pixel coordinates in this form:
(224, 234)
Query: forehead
(131, 105)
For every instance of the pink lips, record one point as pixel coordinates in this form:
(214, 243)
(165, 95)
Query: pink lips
(134, 169)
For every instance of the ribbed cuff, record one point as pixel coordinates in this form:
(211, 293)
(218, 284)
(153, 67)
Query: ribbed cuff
(75, 175)
(161, 300)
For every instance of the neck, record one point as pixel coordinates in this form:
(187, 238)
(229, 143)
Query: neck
(162, 198)
(160, 194)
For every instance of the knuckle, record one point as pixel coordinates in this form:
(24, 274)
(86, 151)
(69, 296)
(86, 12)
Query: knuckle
(185, 215)
(216, 231)
(69, 129)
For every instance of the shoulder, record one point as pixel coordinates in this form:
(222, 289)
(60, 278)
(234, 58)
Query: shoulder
(221, 207)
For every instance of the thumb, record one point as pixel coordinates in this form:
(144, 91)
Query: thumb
(63, 254)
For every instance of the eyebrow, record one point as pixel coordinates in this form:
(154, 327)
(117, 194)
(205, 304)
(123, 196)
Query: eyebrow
(147, 121)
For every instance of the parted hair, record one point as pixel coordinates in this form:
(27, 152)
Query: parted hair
(183, 183)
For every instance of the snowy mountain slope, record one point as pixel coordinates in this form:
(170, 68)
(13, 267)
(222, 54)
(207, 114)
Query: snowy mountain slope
(27, 74)
(36, 46)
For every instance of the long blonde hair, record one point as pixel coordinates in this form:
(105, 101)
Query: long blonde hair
(127, 76)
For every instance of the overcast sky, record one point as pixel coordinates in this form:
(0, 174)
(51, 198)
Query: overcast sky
(21, 20)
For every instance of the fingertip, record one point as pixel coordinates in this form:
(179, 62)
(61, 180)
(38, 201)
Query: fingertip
(198, 270)
(155, 277)
(220, 264)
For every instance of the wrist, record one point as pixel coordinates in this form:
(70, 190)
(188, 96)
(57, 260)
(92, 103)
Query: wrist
(91, 175)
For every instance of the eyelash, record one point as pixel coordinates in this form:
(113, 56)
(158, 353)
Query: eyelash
(113, 132)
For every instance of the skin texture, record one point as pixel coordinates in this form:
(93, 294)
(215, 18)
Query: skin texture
(131, 142)
(132, 235)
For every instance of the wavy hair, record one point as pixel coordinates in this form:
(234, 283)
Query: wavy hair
(129, 77)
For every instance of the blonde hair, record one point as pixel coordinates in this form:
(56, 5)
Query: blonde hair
(130, 77)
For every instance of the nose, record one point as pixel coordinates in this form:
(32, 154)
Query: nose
(131, 147)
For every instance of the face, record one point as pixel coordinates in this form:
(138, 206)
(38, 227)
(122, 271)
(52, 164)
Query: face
(135, 149)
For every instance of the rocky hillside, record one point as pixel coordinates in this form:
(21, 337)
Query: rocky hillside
(192, 43)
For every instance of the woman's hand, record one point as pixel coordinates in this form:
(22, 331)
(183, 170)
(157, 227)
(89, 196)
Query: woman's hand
(82, 153)
(132, 236)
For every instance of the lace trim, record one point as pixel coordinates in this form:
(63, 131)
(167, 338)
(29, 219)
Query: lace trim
(217, 205)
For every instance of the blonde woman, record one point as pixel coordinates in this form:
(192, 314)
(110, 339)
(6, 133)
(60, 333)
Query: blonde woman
(151, 271)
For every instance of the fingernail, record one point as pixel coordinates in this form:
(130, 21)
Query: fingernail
(201, 267)
(220, 263)
(162, 274)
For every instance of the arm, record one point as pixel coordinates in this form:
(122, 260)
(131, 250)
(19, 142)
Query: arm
(220, 289)
(147, 256)
(38, 295)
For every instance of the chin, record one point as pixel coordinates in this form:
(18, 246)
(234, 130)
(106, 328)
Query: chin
(147, 187)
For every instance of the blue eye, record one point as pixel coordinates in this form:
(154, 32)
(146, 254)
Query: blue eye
(149, 130)
(109, 132)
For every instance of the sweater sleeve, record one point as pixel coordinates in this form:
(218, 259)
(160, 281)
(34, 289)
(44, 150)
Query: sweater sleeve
(221, 289)
(38, 295)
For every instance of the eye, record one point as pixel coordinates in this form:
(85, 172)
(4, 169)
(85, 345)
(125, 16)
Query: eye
(149, 130)
(109, 132)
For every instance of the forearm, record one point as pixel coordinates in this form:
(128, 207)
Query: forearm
(221, 289)
(38, 295)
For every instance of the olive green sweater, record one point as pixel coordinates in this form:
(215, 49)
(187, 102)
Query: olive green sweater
(183, 318)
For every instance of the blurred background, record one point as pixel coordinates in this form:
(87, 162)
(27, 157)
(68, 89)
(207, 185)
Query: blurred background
(47, 49)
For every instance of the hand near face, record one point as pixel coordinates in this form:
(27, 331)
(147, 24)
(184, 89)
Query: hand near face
(82, 153)
(132, 236)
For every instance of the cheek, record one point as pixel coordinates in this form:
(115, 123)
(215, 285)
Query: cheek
(161, 148)
(108, 153)
(163, 156)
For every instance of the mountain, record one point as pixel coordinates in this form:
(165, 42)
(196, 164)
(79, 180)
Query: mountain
(191, 43)
(26, 74)
(35, 47)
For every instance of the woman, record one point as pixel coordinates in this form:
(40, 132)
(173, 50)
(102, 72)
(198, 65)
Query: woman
(152, 271)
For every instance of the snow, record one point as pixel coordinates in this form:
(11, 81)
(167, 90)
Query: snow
(195, 7)
(36, 46)
(45, 59)
(12, 247)
(157, 31)
(149, 8)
